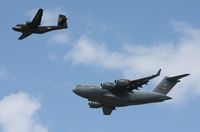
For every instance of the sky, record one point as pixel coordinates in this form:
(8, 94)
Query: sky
(106, 40)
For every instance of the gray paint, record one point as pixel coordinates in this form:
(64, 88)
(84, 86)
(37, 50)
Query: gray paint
(168, 83)
(108, 99)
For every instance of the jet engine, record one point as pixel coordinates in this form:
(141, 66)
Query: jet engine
(94, 105)
(122, 83)
(108, 85)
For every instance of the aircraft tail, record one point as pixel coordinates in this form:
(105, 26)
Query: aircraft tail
(62, 21)
(168, 83)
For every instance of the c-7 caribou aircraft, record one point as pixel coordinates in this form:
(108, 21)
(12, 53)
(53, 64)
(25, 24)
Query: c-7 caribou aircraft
(124, 92)
(34, 26)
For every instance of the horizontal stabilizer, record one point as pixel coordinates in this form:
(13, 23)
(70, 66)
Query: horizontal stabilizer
(178, 77)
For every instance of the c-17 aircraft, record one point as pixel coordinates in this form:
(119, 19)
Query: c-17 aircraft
(125, 92)
(34, 26)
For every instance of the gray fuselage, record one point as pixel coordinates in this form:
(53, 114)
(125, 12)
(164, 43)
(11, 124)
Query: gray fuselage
(118, 99)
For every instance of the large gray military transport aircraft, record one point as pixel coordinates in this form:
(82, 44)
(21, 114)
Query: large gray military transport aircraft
(34, 26)
(124, 92)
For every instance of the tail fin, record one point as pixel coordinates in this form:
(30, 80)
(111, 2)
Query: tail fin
(62, 21)
(168, 83)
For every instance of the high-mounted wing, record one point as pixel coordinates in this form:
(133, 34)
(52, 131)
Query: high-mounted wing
(24, 35)
(135, 84)
(37, 19)
(107, 110)
(128, 85)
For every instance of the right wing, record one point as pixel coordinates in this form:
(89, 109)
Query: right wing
(24, 35)
(37, 19)
(107, 110)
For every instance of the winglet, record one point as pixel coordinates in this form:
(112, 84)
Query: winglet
(158, 73)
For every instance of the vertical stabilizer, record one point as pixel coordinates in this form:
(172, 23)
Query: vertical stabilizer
(168, 83)
(62, 21)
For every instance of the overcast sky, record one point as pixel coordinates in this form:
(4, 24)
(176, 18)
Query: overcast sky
(106, 40)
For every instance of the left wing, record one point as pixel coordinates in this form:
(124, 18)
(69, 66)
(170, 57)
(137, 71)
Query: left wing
(24, 35)
(135, 84)
(107, 110)
(128, 85)
(37, 19)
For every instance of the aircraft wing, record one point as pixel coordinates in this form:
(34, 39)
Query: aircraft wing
(135, 84)
(37, 19)
(107, 110)
(24, 35)
(124, 85)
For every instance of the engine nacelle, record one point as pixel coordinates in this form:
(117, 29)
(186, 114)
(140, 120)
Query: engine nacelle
(122, 82)
(94, 105)
(28, 23)
(108, 85)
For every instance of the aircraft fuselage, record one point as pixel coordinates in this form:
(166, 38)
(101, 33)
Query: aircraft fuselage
(38, 30)
(118, 99)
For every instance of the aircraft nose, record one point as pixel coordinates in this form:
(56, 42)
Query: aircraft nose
(14, 28)
(76, 90)
(17, 28)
